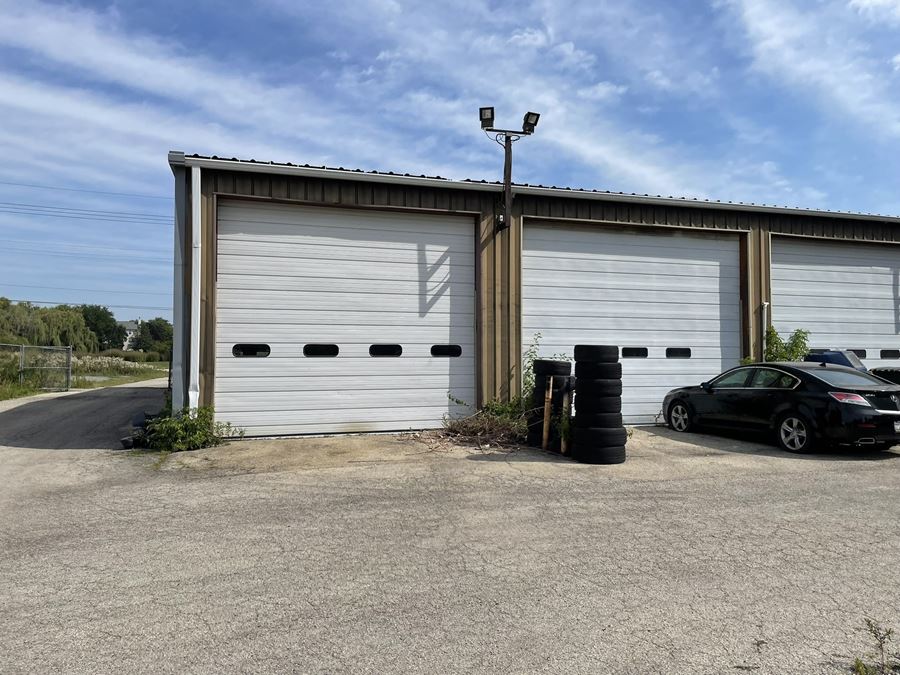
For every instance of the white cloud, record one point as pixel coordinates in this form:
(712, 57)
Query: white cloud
(896, 62)
(878, 9)
(529, 37)
(603, 91)
(813, 53)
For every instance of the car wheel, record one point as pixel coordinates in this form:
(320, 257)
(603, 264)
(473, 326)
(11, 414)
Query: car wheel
(680, 417)
(794, 433)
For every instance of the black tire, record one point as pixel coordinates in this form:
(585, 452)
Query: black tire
(592, 371)
(593, 388)
(595, 437)
(801, 440)
(608, 455)
(560, 382)
(601, 420)
(597, 404)
(597, 353)
(679, 417)
(544, 367)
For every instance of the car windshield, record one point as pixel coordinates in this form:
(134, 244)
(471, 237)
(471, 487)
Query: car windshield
(847, 378)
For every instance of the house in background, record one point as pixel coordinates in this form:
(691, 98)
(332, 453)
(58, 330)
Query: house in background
(131, 329)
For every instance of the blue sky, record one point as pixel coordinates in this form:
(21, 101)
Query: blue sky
(789, 102)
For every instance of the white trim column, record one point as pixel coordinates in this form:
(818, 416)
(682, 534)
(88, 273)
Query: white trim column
(194, 370)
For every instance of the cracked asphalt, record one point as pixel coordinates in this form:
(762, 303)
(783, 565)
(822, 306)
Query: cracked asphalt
(700, 554)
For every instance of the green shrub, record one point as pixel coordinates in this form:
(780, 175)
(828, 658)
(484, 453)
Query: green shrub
(191, 430)
(133, 357)
(795, 348)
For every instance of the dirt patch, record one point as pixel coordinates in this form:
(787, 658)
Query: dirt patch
(309, 453)
(654, 454)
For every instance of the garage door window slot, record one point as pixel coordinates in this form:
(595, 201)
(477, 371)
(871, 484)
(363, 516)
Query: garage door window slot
(446, 350)
(385, 350)
(678, 352)
(634, 352)
(890, 353)
(320, 350)
(245, 350)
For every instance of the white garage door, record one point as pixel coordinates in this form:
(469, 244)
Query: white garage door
(670, 300)
(333, 295)
(845, 294)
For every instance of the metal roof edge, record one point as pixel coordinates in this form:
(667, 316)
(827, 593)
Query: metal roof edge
(341, 174)
(699, 203)
(177, 158)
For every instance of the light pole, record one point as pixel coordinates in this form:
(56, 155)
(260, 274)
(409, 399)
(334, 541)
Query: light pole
(505, 138)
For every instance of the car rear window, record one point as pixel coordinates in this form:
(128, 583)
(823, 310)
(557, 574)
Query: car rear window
(846, 378)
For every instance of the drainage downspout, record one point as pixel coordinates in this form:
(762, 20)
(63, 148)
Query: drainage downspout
(194, 371)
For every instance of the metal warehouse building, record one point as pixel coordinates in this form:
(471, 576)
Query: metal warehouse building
(318, 300)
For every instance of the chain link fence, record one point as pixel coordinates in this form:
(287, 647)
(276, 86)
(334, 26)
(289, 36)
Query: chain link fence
(47, 368)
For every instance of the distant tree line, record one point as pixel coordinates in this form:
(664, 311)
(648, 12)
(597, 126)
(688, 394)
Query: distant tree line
(87, 328)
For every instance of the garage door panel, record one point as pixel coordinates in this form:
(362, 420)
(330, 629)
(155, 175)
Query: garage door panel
(404, 421)
(833, 298)
(299, 300)
(319, 255)
(603, 308)
(699, 344)
(274, 317)
(306, 382)
(699, 290)
(328, 399)
(256, 219)
(846, 294)
(289, 276)
(361, 366)
(584, 285)
(833, 277)
(343, 237)
(331, 415)
(280, 286)
(681, 245)
(348, 334)
(635, 267)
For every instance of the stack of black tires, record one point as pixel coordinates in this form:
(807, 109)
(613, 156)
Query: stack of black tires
(562, 382)
(598, 436)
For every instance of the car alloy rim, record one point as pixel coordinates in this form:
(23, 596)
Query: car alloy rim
(793, 433)
(679, 418)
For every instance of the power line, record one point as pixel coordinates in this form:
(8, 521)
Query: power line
(70, 304)
(90, 212)
(121, 258)
(90, 247)
(85, 290)
(92, 219)
(96, 192)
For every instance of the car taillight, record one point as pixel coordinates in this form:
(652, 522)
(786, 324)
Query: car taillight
(852, 399)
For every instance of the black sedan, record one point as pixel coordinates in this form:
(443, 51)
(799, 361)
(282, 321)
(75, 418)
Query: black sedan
(804, 404)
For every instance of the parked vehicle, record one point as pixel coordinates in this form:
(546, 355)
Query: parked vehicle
(803, 403)
(839, 357)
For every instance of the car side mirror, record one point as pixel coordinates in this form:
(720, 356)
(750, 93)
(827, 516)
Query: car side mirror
(705, 386)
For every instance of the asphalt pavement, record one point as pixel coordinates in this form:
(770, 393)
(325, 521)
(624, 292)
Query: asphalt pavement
(381, 554)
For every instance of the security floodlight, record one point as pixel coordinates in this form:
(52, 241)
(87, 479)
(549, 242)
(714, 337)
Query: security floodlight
(487, 117)
(529, 122)
(505, 138)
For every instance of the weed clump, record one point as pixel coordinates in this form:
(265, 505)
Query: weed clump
(193, 429)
